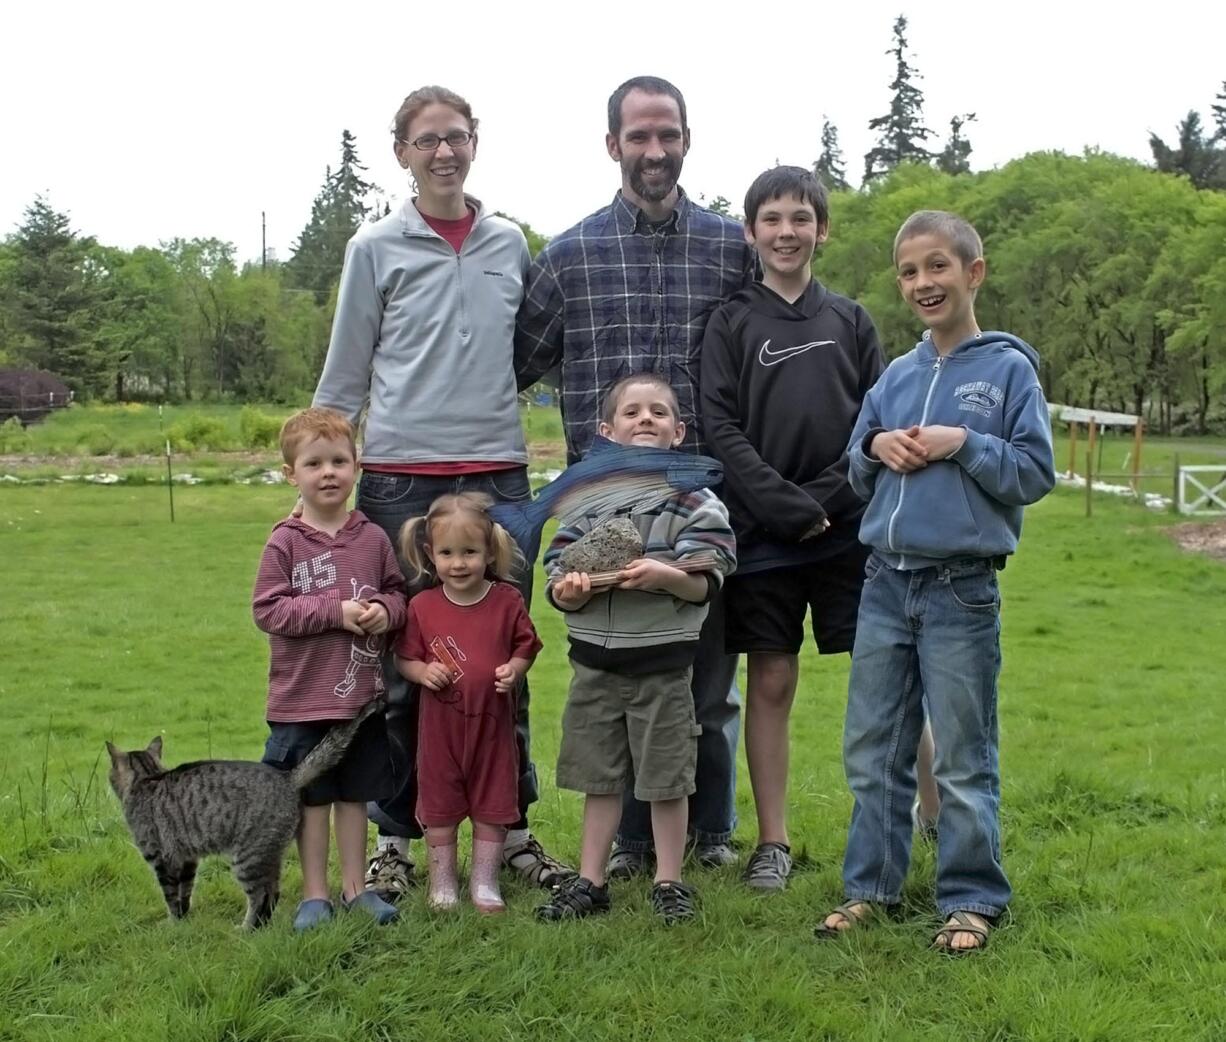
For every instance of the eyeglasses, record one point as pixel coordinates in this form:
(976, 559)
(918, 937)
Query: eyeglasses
(429, 142)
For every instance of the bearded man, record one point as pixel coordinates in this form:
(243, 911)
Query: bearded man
(627, 290)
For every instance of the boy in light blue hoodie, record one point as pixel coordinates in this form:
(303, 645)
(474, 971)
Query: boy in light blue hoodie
(952, 442)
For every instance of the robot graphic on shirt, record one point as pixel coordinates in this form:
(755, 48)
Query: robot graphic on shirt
(364, 651)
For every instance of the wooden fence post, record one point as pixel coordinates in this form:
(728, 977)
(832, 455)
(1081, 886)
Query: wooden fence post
(1072, 448)
(1090, 438)
(1136, 457)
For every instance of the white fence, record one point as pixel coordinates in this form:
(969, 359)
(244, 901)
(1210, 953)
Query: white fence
(1200, 497)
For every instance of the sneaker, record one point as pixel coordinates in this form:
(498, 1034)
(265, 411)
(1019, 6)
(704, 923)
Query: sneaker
(390, 874)
(576, 898)
(714, 855)
(673, 902)
(626, 864)
(769, 866)
(533, 864)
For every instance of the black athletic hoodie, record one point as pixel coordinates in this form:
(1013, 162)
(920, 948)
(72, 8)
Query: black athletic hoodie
(782, 386)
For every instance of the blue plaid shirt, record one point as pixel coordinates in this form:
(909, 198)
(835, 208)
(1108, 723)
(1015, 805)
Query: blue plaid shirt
(616, 295)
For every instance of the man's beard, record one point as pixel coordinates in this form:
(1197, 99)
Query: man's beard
(655, 193)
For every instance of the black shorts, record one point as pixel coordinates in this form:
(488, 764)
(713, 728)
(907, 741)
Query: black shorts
(766, 610)
(364, 772)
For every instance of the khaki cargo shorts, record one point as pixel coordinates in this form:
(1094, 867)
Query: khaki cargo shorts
(616, 727)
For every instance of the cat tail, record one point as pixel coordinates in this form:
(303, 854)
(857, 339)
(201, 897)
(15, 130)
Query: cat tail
(327, 754)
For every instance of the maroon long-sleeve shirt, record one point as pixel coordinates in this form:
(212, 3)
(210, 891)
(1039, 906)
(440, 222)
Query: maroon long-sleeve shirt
(318, 670)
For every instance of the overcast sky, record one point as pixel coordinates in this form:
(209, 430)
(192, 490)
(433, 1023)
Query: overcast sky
(147, 121)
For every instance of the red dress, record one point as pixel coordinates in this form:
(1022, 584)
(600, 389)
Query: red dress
(467, 762)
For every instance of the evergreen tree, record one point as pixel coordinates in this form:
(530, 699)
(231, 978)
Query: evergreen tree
(1219, 114)
(830, 166)
(341, 205)
(955, 157)
(1195, 156)
(902, 131)
(54, 293)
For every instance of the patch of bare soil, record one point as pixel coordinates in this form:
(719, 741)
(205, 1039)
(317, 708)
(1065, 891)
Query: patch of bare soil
(16, 462)
(1202, 537)
(546, 450)
(541, 450)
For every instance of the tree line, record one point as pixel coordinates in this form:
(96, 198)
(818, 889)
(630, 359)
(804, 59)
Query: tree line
(1113, 269)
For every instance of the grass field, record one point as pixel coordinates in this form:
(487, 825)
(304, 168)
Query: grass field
(120, 625)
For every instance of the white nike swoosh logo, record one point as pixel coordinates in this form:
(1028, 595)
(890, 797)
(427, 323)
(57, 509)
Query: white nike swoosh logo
(768, 357)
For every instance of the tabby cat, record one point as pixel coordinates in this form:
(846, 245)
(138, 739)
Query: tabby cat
(248, 811)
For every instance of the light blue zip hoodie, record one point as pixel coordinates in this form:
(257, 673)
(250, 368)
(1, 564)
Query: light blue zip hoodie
(969, 505)
(422, 337)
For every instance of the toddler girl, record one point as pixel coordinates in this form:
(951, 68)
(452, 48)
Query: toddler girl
(468, 643)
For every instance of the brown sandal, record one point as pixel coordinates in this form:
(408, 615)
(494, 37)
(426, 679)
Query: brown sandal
(961, 922)
(853, 920)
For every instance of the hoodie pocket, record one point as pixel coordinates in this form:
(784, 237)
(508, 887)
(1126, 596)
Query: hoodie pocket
(940, 522)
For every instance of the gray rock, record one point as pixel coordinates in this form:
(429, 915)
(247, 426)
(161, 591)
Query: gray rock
(607, 547)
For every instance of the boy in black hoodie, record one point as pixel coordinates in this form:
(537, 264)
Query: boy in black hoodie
(785, 367)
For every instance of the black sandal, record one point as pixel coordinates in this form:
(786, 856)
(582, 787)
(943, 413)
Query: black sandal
(576, 898)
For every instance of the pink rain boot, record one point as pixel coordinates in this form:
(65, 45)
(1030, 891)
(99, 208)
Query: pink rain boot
(444, 888)
(483, 879)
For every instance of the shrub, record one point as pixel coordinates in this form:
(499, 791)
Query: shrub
(258, 430)
(95, 440)
(13, 436)
(200, 433)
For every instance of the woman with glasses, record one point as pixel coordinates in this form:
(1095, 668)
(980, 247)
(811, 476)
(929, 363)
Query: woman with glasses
(423, 337)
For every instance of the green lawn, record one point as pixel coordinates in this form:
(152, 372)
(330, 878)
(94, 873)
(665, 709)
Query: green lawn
(119, 625)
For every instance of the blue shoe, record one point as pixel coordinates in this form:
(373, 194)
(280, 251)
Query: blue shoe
(311, 913)
(371, 903)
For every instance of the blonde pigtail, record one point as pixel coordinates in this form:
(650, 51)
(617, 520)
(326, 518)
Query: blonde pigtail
(413, 548)
(505, 552)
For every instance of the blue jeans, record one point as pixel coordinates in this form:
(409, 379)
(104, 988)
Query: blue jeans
(390, 500)
(928, 635)
(717, 708)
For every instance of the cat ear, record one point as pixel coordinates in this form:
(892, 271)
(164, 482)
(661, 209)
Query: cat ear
(155, 747)
(116, 754)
